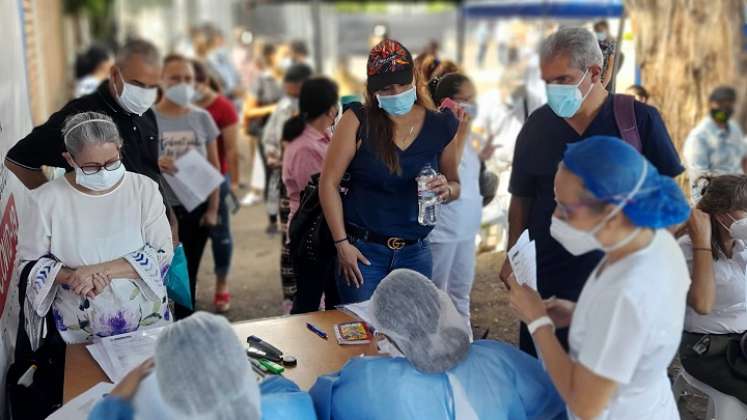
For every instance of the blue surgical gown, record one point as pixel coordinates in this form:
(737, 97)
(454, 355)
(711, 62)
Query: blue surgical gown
(500, 382)
(281, 399)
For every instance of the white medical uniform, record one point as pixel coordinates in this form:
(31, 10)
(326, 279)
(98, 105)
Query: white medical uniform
(627, 327)
(729, 312)
(453, 239)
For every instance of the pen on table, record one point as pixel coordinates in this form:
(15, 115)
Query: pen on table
(316, 330)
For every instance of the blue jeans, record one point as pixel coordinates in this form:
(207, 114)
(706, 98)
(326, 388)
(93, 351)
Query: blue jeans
(383, 261)
(220, 235)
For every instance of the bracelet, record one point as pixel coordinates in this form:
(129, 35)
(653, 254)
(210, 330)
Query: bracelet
(539, 323)
(342, 240)
(703, 249)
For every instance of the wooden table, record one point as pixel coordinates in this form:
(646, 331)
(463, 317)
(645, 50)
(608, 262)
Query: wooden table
(315, 355)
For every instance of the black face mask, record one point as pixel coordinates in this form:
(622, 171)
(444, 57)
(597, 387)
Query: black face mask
(721, 115)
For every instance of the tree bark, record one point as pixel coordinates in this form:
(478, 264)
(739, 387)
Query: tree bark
(685, 48)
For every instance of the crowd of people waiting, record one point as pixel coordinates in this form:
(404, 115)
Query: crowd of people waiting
(628, 274)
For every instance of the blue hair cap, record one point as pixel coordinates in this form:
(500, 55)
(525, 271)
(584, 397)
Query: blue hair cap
(611, 169)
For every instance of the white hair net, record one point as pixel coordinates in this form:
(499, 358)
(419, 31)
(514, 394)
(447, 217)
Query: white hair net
(203, 371)
(421, 320)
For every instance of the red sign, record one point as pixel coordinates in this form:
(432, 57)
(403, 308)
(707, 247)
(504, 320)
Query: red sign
(8, 242)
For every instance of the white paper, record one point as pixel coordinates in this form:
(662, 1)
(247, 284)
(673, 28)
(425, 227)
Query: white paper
(195, 179)
(523, 259)
(127, 351)
(80, 406)
(360, 310)
(99, 355)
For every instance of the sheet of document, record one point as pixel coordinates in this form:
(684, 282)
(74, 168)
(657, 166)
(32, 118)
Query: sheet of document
(194, 180)
(360, 310)
(523, 259)
(99, 355)
(126, 351)
(80, 406)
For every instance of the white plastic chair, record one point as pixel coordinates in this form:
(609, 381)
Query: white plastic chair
(720, 405)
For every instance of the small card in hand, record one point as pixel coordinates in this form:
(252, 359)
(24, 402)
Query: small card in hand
(356, 332)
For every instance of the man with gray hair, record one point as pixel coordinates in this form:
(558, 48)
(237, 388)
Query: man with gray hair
(126, 97)
(578, 107)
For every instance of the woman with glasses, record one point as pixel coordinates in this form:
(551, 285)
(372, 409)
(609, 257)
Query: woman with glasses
(96, 243)
(625, 327)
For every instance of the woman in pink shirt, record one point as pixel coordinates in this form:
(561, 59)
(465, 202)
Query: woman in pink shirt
(306, 139)
(307, 136)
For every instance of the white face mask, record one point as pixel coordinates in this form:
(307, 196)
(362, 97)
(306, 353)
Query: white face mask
(387, 347)
(738, 229)
(579, 242)
(135, 99)
(181, 94)
(100, 181)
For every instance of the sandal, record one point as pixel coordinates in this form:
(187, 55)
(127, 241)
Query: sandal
(222, 302)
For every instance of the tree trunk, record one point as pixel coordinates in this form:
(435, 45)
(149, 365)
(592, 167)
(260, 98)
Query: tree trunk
(685, 48)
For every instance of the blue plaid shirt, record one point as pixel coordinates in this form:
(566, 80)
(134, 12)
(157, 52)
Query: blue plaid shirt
(712, 150)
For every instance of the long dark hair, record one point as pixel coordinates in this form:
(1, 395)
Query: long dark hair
(720, 195)
(446, 87)
(381, 127)
(318, 95)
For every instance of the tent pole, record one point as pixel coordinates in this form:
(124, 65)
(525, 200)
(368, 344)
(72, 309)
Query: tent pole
(616, 64)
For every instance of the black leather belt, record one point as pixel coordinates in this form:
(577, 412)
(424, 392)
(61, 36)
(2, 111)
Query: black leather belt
(392, 242)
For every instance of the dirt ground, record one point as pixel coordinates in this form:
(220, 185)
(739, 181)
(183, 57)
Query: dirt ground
(255, 285)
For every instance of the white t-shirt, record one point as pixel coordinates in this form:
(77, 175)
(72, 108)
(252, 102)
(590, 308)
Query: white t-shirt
(729, 313)
(627, 327)
(460, 220)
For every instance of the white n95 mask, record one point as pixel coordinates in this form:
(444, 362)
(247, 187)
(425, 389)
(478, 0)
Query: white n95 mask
(181, 94)
(101, 180)
(738, 230)
(387, 347)
(135, 99)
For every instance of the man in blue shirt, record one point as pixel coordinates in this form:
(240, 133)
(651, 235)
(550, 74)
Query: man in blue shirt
(578, 107)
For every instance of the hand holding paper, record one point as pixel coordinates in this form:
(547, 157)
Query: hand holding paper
(523, 260)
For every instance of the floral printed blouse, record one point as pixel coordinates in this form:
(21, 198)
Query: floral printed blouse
(68, 228)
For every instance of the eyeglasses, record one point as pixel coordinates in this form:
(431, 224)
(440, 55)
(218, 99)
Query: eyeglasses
(112, 165)
(567, 210)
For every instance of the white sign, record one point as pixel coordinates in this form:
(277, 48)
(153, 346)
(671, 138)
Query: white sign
(15, 122)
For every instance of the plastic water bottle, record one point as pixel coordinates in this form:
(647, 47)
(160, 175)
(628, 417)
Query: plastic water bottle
(427, 200)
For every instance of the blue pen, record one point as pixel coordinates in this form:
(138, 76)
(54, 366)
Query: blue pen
(316, 331)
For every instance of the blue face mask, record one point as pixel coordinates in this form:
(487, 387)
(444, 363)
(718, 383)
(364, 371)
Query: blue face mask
(399, 104)
(469, 109)
(565, 100)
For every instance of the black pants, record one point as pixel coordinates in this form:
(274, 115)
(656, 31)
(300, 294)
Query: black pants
(527, 345)
(311, 281)
(194, 237)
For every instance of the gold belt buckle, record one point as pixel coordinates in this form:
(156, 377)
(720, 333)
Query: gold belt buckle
(395, 244)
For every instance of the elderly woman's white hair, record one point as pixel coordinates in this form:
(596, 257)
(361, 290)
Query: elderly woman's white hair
(89, 128)
(421, 320)
(203, 372)
(578, 44)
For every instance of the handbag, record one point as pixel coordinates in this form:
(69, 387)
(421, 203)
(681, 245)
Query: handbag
(488, 184)
(177, 279)
(310, 240)
(43, 368)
